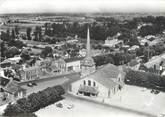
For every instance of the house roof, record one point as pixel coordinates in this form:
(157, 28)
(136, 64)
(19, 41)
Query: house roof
(106, 75)
(4, 81)
(73, 59)
(13, 88)
(163, 73)
(133, 63)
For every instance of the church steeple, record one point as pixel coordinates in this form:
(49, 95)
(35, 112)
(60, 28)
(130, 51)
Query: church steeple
(88, 44)
(88, 64)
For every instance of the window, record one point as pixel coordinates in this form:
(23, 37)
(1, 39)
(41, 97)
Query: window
(89, 83)
(70, 68)
(94, 84)
(119, 79)
(84, 82)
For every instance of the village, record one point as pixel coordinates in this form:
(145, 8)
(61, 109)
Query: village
(111, 75)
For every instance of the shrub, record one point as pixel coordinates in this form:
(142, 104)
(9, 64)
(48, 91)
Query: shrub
(145, 79)
(35, 101)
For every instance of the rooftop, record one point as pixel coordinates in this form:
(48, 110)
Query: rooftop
(106, 75)
(73, 59)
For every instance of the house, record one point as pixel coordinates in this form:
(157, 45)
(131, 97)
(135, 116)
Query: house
(104, 83)
(58, 66)
(73, 64)
(82, 52)
(132, 48)
(11, 92)
(154, 62)
(134, 65)
(112, 42)
(29, 73)
(144, 41)
(163, 73)
(51, 65)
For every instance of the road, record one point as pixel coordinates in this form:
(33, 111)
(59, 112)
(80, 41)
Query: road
(129, 106)
(63, 80)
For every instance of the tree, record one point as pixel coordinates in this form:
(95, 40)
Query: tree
(28, 33)
(38, 33)
(13, 34)
(46, 51)
(7, 35)
(25, 55)
(12, 51)
(16, 29)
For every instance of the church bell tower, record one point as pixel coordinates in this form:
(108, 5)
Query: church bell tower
(87, 64)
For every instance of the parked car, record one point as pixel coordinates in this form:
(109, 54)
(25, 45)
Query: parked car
(30, 85)
(70, 106)
(156, 92)
(34, 84)
(59, 105)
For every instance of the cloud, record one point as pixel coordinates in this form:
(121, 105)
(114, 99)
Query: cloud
(32, 6)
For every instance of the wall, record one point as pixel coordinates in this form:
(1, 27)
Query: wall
(75, 64)
(103, 91)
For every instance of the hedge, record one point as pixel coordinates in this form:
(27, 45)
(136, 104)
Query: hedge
(35, 101)
(145, 79)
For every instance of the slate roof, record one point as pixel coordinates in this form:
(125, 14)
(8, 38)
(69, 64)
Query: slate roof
(106, 75)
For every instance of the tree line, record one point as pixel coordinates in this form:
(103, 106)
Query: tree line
(35, 101)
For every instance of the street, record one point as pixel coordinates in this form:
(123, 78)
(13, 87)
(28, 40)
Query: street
(42, 84)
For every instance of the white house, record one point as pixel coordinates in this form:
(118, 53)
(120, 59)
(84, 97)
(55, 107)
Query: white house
(112, 42)
(73, 64)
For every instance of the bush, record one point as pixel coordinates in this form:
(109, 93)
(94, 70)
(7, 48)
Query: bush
(145, 79)
(35, 101)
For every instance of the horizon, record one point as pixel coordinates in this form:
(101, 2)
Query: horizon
(81, 6)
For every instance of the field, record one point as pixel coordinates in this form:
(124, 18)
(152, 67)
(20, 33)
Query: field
(22, 26)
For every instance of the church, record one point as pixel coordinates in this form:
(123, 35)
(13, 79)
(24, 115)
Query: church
(103, 82)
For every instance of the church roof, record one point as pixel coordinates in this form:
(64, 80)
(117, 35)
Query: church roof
(106, 75)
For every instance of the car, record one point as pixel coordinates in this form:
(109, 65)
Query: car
(70, 106)
(34, 84)
(59, 105)
(156, 92)
(30, 85)
(152, 91)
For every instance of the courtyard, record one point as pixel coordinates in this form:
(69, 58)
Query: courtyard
(132, 101)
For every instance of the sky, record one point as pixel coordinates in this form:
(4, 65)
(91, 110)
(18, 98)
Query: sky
(76, 6)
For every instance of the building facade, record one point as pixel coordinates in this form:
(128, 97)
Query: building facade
(103, 83)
